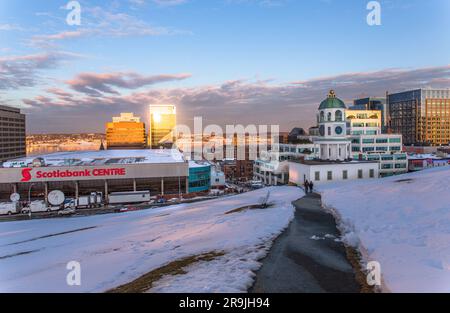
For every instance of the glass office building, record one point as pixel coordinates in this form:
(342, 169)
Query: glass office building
(163, 120)
(422, 116)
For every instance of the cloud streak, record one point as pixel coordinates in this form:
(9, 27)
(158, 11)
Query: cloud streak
(95, 85)
(23, 71)
(232, 102)
(100, 22)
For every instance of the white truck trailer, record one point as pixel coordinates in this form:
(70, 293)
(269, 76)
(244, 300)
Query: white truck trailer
(129, 197)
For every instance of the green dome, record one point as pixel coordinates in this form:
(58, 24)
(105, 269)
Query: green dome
(332, 102)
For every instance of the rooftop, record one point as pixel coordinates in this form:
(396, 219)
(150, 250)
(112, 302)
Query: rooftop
(329, 162)
(9, 109)
(332, 102)
(103, 157)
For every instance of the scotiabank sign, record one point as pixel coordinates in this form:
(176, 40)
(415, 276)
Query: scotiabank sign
(29, 174)
(101, 172)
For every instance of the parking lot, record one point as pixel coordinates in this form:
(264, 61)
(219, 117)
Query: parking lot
(96, 211)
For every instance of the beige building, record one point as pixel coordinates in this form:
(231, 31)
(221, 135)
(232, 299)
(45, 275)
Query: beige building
(364, 122)
(163, 120)
(126, 132)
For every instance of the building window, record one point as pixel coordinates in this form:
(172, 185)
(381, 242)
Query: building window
(395, 140)
(330, 175)
(345, 174)
(360, 174)
(372, 173)
(317, 176)
(329, 116)
(329, 131)
(339, 116)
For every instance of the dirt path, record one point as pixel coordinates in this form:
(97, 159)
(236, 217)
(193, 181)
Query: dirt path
(307, 257)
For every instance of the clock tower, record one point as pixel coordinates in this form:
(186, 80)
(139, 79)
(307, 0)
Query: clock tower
(333, 142)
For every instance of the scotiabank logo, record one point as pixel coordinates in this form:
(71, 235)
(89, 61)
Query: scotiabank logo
(26, 174)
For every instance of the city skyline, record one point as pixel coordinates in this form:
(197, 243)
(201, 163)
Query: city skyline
(231, 62)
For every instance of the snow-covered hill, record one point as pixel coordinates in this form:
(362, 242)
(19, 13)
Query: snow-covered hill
(403, 222)
(117, 248)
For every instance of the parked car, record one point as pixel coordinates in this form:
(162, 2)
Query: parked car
(67, 211)
(161, 201)
(128, 208)
(69, 203)
(8, 208)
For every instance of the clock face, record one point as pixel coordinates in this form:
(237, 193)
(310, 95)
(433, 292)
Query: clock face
(322, 130)
(338, 130)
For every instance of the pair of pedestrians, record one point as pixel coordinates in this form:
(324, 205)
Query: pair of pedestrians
(309, 186)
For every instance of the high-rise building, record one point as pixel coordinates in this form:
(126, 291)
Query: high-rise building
(12, 133)
(163, 120)
(422, 116)
(126, 132)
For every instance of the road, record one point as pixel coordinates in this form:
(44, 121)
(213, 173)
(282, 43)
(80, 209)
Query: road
(307, 258)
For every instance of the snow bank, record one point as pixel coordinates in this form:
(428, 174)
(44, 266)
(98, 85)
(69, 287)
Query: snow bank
(403, 222)
(117, 248)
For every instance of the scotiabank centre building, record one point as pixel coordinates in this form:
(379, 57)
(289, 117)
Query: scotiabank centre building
(162, 172)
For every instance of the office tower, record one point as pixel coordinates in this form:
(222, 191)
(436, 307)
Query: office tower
(12, 133)
(422, 116)
(163, 120)
(126, 132)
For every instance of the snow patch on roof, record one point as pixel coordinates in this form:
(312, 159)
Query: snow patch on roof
(102, 157)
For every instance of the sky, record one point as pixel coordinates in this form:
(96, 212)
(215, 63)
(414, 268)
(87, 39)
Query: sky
(228, 61)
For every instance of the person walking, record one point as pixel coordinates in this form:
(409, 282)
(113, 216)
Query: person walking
(311, 187)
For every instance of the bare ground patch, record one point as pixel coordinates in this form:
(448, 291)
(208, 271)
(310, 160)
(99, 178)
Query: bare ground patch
(145, 282)
(407, 180)
(249, 207)
(354, 257)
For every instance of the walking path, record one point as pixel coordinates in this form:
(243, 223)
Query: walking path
(306, 257)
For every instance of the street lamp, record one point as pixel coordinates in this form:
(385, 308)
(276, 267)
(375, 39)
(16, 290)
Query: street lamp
(179, 189)
(29, 199)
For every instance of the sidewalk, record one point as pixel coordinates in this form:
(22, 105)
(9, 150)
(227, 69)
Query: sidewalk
(299, 264)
